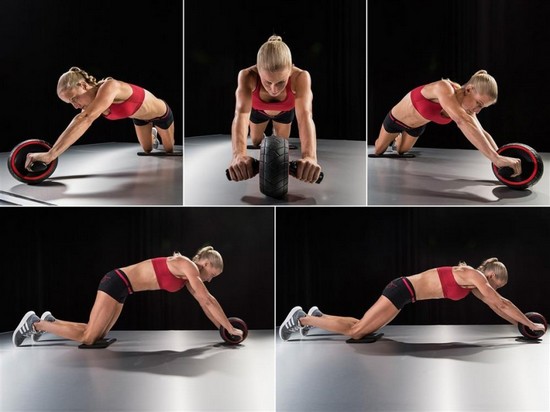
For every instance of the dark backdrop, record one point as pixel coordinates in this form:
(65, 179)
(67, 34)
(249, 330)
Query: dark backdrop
(327, 38)
(415, 42)
(54, 258)
(141, 43)
(340, 259)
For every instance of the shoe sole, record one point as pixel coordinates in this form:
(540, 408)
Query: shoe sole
(23, 321)
(289, 316)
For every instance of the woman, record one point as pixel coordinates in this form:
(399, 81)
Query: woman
(454, 283)
(163, 273)
(112, 99)
(442, 102)
(273, 90)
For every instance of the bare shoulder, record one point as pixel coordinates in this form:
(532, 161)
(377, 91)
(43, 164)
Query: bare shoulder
(437, 88)
(247, 75)
(181, 265)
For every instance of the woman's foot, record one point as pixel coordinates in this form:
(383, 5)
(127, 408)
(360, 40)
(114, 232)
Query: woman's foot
(314, 311)
(291, 323)
(47, 317)
(25, 328)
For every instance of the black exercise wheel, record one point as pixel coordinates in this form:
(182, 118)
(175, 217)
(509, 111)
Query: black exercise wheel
(40, 171)
(532, 166)
(274, 167)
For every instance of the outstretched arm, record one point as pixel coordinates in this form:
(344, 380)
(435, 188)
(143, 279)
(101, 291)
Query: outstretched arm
(209, 304)
(241, 167)
(471, 128)
(500, 305)
(308, 168)
(80, 124)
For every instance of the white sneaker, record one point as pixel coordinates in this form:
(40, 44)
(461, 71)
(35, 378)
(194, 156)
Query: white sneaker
(155, 133)
(314, 311)
(291, 323)
(25, 329)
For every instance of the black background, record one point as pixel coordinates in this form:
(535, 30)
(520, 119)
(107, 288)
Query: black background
(416, 42)
(54, 259)
(140, 43)
(340, 259)
(326, 38)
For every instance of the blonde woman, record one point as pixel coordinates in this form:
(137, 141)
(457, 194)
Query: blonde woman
(443, 102)
(276, 91)
(114, 100)
(163, 273)
(449, 282)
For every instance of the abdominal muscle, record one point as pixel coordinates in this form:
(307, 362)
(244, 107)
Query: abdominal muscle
(427, 285)
(142, 276)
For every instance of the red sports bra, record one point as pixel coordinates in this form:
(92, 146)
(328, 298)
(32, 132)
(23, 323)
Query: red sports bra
(451, 289)
(166, 279)
(284, 106)
(428, 110)
(128, 107)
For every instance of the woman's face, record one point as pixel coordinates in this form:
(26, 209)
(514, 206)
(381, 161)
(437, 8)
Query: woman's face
(79, 96)
(274, 82)
(493, 281)
(207, 271)
(473, 101)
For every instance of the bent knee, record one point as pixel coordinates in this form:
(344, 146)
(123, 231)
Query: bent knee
(90, 339)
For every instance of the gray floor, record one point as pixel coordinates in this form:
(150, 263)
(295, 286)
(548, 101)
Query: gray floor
(207, 158)
(447, 177)
(415, 368)
(143, 371)
(100, 175)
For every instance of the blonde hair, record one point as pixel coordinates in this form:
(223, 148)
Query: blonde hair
(274, 55)
(213, 256)
(493, 264)
(74, 76)
(484, 84)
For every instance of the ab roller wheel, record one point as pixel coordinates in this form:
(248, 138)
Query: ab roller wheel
(40, 171)
(533, 334)
(532, 166)
(274, 167)
(237, 323)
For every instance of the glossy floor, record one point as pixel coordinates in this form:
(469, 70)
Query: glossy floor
(415, 368)
(447, 177)
(143, 371)
(207, 157)
(101, 175)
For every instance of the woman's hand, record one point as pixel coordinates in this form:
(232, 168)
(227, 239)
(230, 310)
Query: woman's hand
(537, 326)
(236, 332)
(512, 162)
(308, 170)
(37, 157)
(241, 168)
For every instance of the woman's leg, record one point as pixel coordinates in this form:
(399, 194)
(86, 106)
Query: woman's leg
(405, 142)
(383, 141)
(167, 137)
(103, 316)
(282, 129)
(145, 136)
(257, 132)
(379, 315)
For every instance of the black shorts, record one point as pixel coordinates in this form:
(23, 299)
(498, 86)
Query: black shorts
(117, 285)
(163, 122)
(392, 125)
(259, 116)
(400, 291)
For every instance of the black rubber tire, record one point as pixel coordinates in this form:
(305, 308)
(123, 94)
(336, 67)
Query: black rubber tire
(274, 167)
